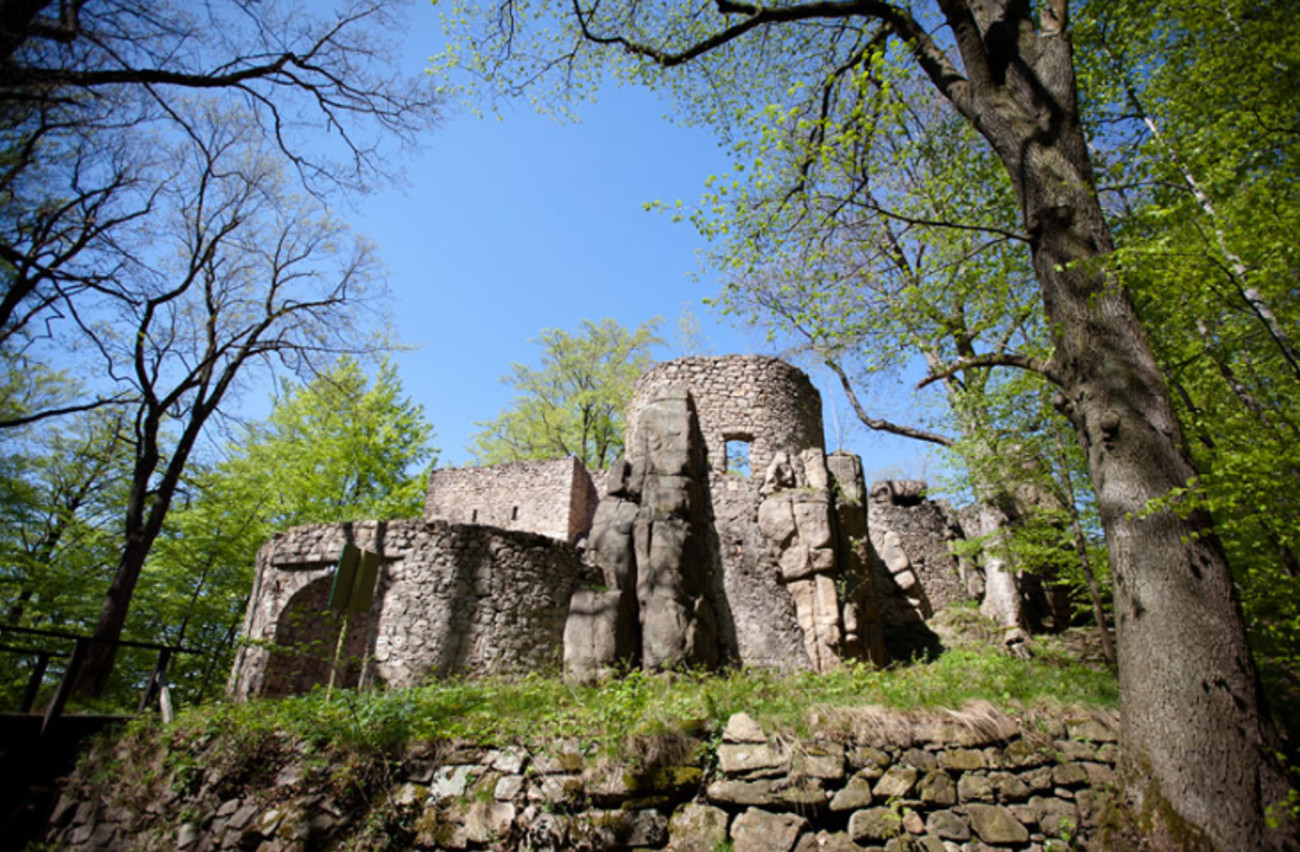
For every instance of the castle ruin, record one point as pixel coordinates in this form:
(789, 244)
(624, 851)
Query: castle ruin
(726, 536)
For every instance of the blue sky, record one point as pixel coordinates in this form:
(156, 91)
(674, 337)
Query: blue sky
(514, 223)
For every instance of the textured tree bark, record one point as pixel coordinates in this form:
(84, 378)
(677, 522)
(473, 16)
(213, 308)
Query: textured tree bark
(1197, 748)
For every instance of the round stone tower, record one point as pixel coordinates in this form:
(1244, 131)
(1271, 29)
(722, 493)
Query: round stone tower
(755, 399)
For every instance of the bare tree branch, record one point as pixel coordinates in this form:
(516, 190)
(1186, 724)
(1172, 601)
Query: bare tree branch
(875, 423)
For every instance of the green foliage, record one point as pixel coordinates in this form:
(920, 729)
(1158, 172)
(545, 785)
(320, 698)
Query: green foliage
(60, 488)
(344, 446)
(1198, 106)
(572, 405)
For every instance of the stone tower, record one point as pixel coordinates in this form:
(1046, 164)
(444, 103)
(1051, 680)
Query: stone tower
(727, 534)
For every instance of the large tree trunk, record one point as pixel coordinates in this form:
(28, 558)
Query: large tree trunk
(1198, 751)
(1196, 744)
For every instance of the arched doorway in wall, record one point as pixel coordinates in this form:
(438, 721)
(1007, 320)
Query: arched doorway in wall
(306, 637)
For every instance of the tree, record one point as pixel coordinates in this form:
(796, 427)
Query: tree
(340, 447)
(246, 275)
(876, 271)
(88, 88)
(573, 405)
(1207, 775)
(1202, 105)
(61, 489)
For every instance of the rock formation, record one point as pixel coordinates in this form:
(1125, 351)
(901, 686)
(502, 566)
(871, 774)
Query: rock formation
(726, 566)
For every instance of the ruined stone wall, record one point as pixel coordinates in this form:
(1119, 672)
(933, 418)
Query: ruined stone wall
(554, 498)
(777, 566)
(763, 400)
(450, 598)
(916, 573)
(758, 616)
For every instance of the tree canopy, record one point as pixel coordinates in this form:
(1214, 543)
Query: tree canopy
(572, 404)
(343, 446)
(165, 227)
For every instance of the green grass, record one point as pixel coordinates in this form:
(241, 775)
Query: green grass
(538, 709)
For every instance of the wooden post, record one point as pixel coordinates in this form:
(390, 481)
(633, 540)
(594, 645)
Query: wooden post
(65, 685)
(338, 651)
(156, 679)
(34, 682)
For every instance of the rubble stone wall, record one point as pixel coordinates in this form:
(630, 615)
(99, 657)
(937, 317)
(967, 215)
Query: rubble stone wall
(917, 573)
(938, 782)
(449, 598)
(554, 498)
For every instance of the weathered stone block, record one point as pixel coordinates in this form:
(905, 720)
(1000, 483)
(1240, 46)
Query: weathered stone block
(869, 760)
(776, 521)
(619, 829)
(937, 788)
(599, 632)
(853, 796)
(1053, 814)
(1023, 753)
(757, 830)
(874, 824)
(767, 792)
(1075, 750)
(822, 760)
(1069, 775)
(974, 787)
(1094, 729)
(962, 759)
(1009, 787)
(741, 728)
(996, 825)
(488, 822)
(896, 783)
(697, 828)
(947, 825)
(752, 760)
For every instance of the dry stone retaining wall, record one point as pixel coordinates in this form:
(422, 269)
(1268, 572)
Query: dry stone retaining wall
(940, 782)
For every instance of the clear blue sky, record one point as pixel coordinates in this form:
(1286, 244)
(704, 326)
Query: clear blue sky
(514, 224)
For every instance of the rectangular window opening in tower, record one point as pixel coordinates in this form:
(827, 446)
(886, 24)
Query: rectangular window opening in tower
(737, 457)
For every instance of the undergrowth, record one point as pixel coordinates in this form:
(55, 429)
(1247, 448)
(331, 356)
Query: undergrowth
(537, 709)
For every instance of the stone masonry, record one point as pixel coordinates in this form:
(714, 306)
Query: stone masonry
(554, 498)
(944, 781)
(727, 565)
(670, 558)
(451, 598)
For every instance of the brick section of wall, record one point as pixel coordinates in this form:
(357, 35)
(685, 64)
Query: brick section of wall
(450, 598)
(548, 497)
(761, 399)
